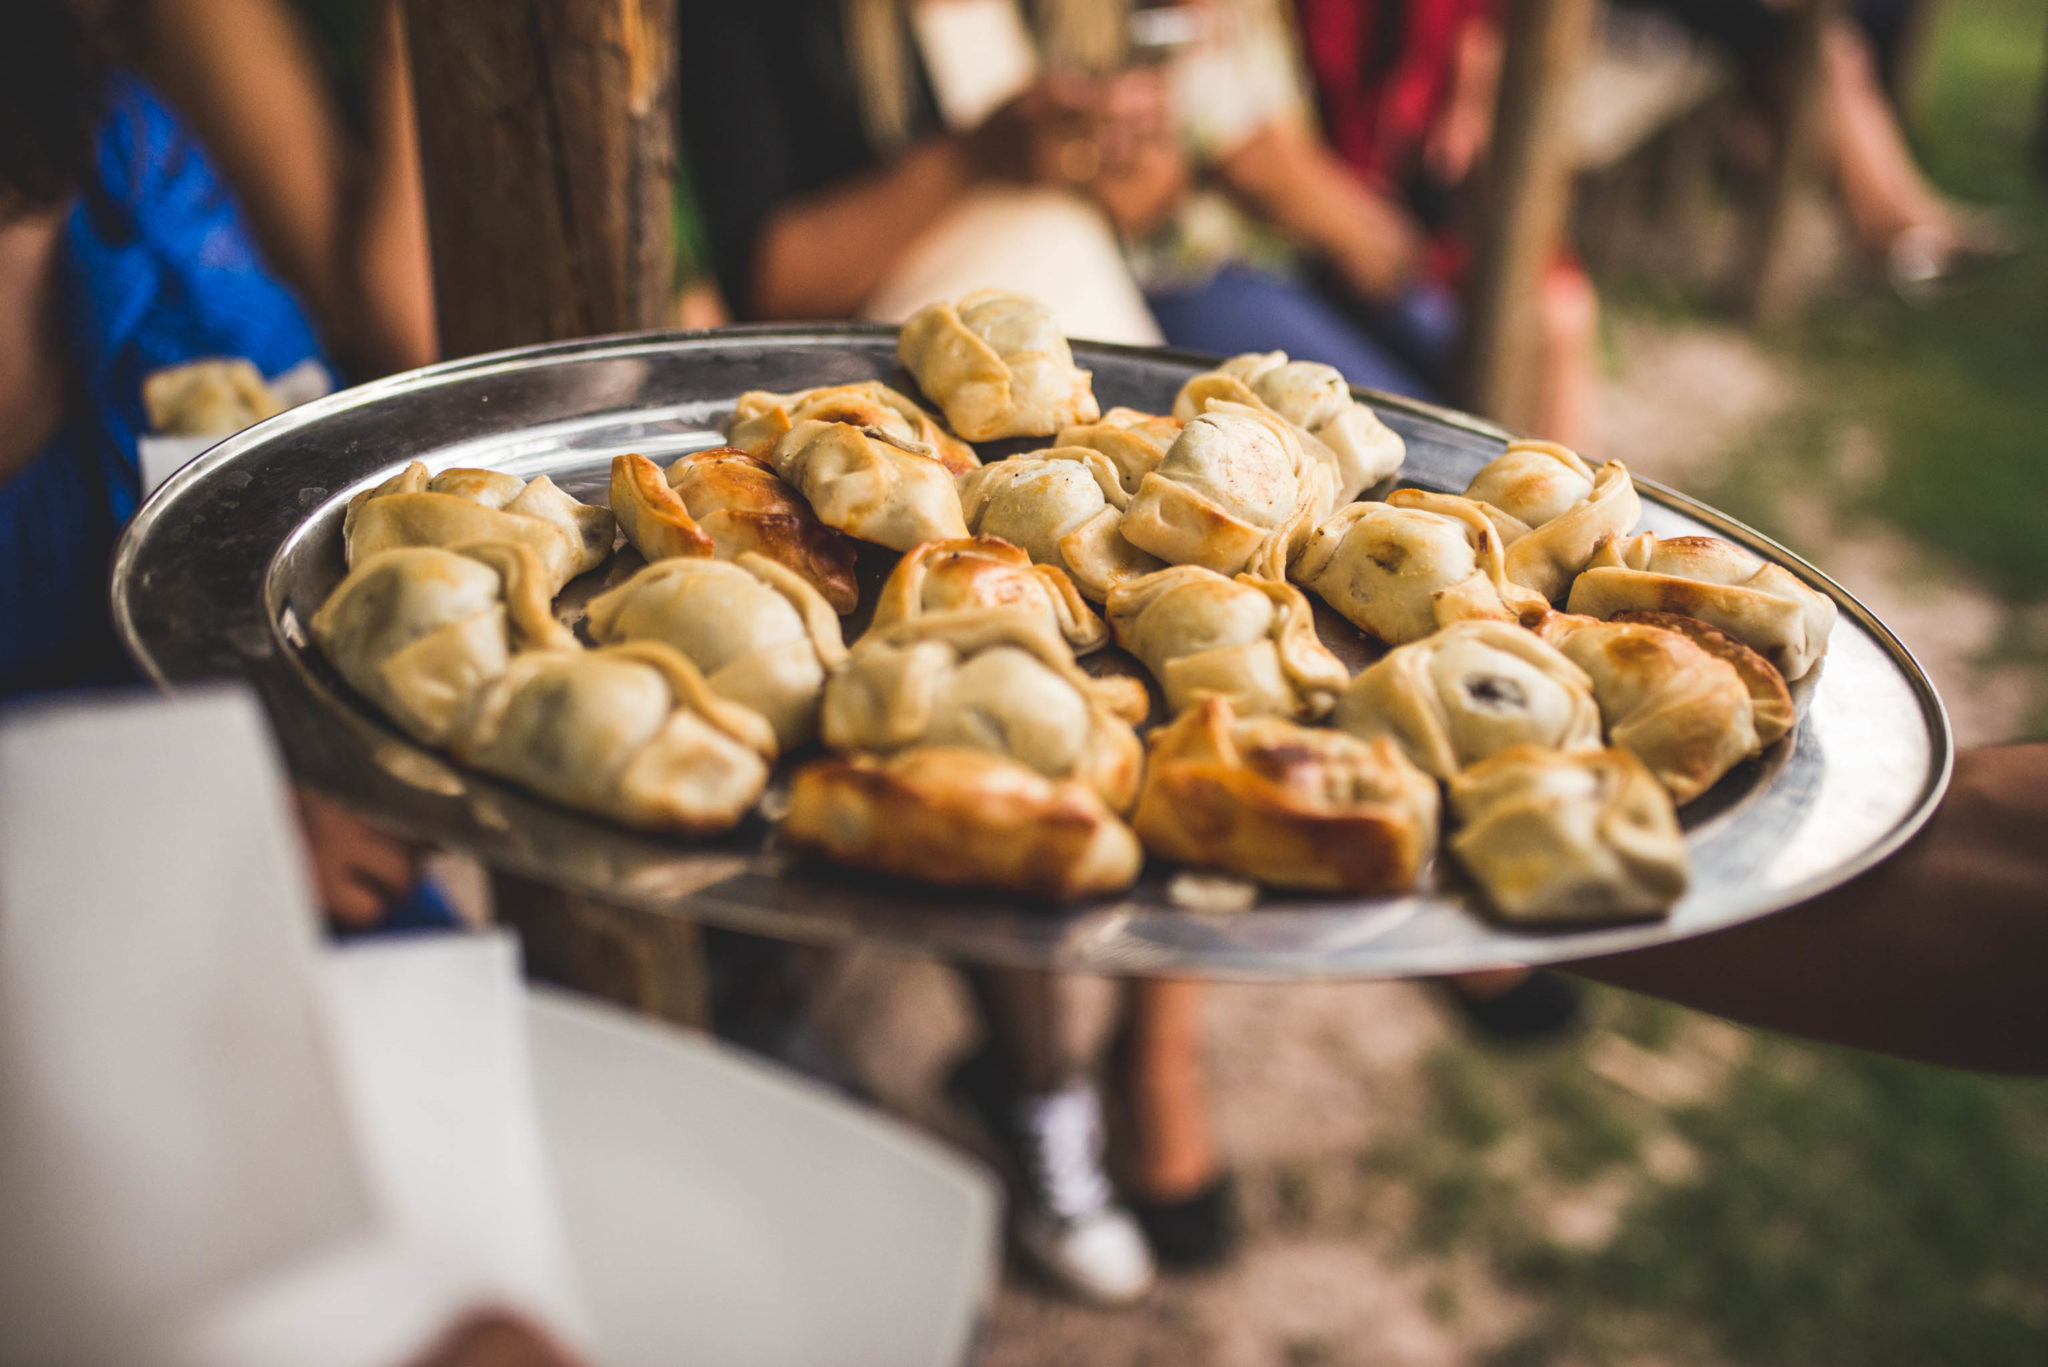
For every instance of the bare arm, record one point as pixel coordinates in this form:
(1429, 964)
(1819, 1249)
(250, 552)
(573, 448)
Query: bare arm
(1938, 954)
(821, 256)
(344, 226)
(1301, 187)
(247, 77)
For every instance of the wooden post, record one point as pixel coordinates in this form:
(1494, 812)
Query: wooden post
(547, 149)
(1767, 292)
(547, 146)
(1531, 182)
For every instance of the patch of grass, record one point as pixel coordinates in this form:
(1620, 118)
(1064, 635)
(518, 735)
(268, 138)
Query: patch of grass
(1587, 1134)
(1851, 1210)
(1848, 1210)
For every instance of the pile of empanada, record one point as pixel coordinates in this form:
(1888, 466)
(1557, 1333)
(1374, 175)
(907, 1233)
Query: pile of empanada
(1553, 684)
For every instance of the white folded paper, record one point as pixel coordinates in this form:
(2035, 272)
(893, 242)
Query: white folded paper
(171, 1118)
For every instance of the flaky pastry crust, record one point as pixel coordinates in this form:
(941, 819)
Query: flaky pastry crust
(1290, 805)
(958, 817)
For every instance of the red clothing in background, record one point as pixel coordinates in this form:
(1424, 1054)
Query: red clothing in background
(1383, 71)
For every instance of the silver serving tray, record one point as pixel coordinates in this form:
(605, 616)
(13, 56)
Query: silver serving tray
(222, 568)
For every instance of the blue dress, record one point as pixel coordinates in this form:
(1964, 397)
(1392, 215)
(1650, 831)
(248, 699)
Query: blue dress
(158, 269)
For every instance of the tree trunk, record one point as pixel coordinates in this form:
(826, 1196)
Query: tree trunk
(548, 150)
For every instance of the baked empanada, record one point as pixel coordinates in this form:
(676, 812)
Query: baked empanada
(761, 636)
(1401, 569)
(986, 572)
(761, 419)
(214, 397)
(997, 366)
(631, 732)
(958, 817)
(1289, 805)
(1134, 442)
(1762, 605)
(1555, 835)
(1553, 510)
(460, 506)
(1770, 701)
(1678, 709)
(1316, 399)
(419, 630)
(1063, 506)
(994, 679)
(1469, 691)
(1236, 490)
(724, 503)
(1249, 640)
(870, 483)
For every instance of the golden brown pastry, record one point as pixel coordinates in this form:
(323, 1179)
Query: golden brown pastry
(1401, 569)
(1134, 442)
(210, 398)
(419, 630)
(724, 503)
(1316, 399)
(460, 506)
(958, 817)
(870, 483)
(1063, 506)
(761, 419)
(994, 679)
(1236, 490)
(1248, 639)
(1770, 701)
(631, 732)
(997, 366)
(1553, 510)
(1684, 713)
(761, 636)
(1554, 835)
(1469, 691)
(986, 572)
(1762, 605)
(1289, 805)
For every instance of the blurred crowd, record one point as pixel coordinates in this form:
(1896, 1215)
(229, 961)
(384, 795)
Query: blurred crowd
(192, 178)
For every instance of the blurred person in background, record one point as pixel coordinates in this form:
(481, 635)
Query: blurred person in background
(1328, 156)
(1914, 233)
(121, 254)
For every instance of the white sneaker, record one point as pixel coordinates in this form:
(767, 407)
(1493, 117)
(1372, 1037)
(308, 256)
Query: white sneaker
(1066, 1218)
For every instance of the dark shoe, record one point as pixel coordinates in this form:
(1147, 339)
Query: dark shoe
(1195, 1233)
(1541, 1006)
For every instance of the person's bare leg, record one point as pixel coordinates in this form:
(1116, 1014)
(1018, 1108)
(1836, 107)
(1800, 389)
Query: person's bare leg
(1026, 1026)
(1882, 185)
(1569, 319)
(1164, 1079)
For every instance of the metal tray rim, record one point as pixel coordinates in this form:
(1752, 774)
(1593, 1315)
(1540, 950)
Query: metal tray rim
(1586, 942)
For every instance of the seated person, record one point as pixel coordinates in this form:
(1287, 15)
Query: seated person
(120, 254)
